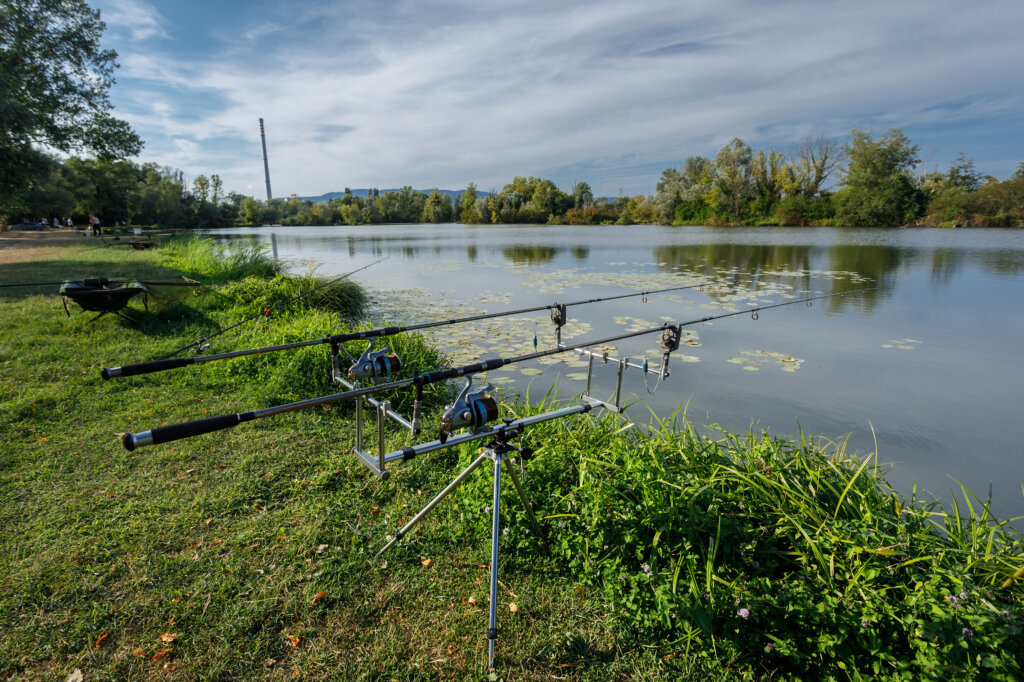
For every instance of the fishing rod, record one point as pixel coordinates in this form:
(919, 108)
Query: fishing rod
(106, 374)
(559, 317)
(470, 409)
(99, 281)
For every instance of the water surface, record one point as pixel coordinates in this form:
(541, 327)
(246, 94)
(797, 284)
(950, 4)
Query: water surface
(927, 365)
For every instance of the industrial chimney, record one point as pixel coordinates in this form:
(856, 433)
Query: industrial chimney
(266, 167)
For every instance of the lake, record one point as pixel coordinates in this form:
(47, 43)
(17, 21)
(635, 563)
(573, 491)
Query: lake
(928, 364)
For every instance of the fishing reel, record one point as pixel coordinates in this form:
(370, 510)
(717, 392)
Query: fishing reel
(375, 366)
(470, 411)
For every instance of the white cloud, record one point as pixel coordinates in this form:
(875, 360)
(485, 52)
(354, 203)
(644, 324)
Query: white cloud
(142, 20)
(442, 95)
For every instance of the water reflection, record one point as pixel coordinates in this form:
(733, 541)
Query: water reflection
(531, 255)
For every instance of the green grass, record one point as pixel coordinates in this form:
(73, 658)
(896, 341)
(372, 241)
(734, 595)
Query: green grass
(236, 540)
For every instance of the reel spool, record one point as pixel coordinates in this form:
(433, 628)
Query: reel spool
(470, 411)
(375, 366)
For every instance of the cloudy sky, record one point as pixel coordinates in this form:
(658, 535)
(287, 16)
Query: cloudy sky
(439, 94)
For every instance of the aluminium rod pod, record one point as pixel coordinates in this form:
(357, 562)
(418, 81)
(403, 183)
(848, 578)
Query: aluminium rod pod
(164, 434)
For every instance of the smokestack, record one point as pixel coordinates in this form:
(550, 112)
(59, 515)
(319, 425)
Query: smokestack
(266, 167)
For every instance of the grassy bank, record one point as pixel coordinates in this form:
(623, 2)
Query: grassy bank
(249, 553)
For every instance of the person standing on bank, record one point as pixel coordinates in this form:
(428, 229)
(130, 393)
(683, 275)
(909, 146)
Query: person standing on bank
(94, 223)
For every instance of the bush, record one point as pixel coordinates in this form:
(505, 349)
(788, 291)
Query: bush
(203, 258)
(793, 557)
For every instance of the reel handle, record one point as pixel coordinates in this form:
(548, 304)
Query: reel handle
(144, 368)
(165, 434)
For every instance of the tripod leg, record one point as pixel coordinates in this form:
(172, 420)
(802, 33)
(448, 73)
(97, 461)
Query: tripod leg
(492, 631)
(529, 507)
(399, 534)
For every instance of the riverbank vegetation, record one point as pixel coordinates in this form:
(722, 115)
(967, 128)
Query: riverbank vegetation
(249, 553)
(867, 181)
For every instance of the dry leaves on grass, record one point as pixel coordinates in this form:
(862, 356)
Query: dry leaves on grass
(318, 595)
(514, 608)
(425, 561)
(138, 652)
(161, 654)
(293, 639)
(75, 676)
(99, 640)
(169, 636)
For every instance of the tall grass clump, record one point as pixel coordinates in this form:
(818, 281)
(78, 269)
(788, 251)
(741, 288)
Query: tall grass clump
(785, 558)
(343, 297)
(203, 258)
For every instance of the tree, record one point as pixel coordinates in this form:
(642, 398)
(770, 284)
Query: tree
(680, 193)
(878, 189)
(201, 188)
(583, 196)
(467, 204)
(732, 186)
(54, 83)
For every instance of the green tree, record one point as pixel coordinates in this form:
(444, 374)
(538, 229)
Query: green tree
(733, 183)
(467, 205)
(583, 196)
(201, 188)
(680, 192)
(54, 84)
(878, 189)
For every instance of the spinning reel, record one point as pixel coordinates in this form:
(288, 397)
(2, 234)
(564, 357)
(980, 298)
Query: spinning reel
(376, 366)
(470, 411)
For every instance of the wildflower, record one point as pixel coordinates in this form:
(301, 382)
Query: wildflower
(743, 613)
(967, 633)
(487, 510)
(1006, 615)
(952, 600)
(527, 531)
(769, 646)
(863, 622)
(505, 531)
(963, 596)
(561, 523)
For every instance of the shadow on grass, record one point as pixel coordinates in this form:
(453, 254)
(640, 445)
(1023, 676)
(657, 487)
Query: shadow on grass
(45, 271)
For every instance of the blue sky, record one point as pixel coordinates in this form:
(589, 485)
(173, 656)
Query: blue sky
(440, 94)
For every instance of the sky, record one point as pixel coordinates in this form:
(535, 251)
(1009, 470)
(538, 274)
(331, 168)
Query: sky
(444, 93)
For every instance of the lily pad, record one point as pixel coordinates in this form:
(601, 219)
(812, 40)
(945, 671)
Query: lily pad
(576, 376)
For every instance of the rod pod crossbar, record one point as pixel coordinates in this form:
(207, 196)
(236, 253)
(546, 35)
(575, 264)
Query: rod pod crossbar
(558, 318)
(165, 434)
(496, 451)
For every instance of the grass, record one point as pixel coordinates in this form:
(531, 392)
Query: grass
(231, 544)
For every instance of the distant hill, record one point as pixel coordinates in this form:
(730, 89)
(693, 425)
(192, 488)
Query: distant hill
(324, 198)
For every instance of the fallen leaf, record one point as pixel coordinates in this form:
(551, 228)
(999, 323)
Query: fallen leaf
(169, 637)
(471, 601)
(295, 673)
(451, 650)
(196, 545)
(171, 622)
(318, 595)
(76, 675)
(293, 639)
(375, 510)
(138, 652)
(208, 520)
(99, 640)
(176, 600)
(161, 654)
(514, 608)
(258, 507)
(47, 438)
(320, 549)
(383, 564)
(425, 561)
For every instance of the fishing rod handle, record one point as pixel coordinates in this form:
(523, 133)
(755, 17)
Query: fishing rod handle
(165, 434)
(455, 372)
(145, 367)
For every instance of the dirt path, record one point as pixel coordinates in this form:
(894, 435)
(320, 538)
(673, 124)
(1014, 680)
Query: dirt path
(17, 246)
